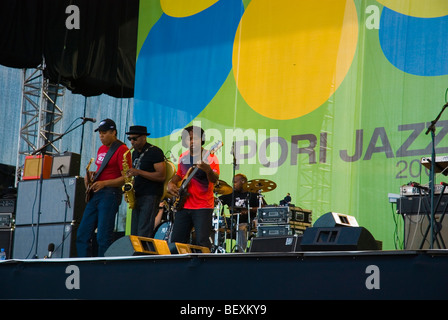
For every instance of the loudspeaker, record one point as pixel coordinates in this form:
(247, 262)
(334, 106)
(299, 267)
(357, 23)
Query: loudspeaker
(63, 236)
(415, 227)
(333, 219)
(33, 167)
(338, 239)
(181, 248)
(135, 246)
(6, 240)
(63, 200)
(276, 244)
(69, 164)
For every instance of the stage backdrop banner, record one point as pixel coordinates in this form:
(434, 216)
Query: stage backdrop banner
(329, 99)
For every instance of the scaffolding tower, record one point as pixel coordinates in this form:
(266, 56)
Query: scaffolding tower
(41, 115)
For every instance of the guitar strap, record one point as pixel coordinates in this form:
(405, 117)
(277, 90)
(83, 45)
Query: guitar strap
(114, 147)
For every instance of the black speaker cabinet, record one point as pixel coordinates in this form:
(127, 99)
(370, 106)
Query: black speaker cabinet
(417, 231)
(66, 164)
(62, 200)
(338, 239)
(276, 244)
(63, 236)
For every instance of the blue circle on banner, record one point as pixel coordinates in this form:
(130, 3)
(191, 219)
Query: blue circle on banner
(413, 44)
(182, 65)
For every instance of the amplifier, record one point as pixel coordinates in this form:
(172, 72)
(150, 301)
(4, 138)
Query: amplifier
(66, 164)
(7, 205)
(33, 167)
(273, 215)
(301, 215)
(409, 191)
(421, 205)
(5, 220)
(273, 230)
(283, 214)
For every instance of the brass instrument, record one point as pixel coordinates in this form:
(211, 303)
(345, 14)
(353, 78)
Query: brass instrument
(128, 187)
(170, 170)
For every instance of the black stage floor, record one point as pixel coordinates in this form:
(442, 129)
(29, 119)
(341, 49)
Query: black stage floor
(348, 275)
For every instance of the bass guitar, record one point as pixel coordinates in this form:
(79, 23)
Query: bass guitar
(88, 181)
(179, 201)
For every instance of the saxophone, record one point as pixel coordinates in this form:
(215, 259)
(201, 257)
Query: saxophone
(128, 187)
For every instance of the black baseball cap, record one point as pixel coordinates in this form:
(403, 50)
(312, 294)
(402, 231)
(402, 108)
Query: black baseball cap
(106, 124)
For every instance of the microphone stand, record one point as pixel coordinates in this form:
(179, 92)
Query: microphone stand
(41, 150)
(432, 129)
(67, 205)
(232, 209)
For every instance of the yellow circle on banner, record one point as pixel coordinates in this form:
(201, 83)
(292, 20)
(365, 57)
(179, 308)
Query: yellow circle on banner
(418, 8)
(290, 56)
(185, 8)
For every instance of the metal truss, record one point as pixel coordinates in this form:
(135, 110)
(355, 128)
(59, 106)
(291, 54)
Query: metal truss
(40, 115)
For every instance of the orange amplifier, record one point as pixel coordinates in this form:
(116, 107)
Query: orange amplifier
(33, 167)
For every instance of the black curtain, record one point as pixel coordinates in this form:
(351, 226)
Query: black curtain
(97, 58)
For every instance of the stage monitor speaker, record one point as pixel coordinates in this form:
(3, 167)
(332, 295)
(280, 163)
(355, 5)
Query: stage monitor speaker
(6, 240)
(135, 246)
(276, 244)
(66, 164)
(33, 167)
(182, 248)
(334, 219)
(62, 200)
(63, 236)
(338, 239)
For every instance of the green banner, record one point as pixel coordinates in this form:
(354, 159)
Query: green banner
(328, 99)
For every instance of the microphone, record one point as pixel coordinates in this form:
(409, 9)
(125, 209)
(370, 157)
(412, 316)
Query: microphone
(50, 250)
(88, 119)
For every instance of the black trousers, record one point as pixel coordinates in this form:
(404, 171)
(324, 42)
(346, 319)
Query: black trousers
(144, 215)
(186, 219)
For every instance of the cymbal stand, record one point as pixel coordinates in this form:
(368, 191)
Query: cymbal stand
(237, 246)
(260, 198)
(215, 220)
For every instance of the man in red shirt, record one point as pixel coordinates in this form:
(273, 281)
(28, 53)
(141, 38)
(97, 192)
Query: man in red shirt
(106, 193)
(198, 208)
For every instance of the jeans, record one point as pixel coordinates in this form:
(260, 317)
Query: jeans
(186, 219)
(99, 213)
(144, 215)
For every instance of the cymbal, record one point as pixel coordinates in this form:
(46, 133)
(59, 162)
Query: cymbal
(222, 188)
(262, 185)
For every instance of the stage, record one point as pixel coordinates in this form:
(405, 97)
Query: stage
(270, 276)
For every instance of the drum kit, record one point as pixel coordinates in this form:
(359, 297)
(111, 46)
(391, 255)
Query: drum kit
(222, 226)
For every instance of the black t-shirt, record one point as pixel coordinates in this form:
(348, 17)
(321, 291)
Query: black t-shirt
(241, 199)
(145, 161)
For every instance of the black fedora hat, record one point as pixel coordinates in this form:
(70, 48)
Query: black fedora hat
(141, 130)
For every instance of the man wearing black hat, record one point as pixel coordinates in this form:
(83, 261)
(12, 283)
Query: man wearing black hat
(106, 194)
(148, 169)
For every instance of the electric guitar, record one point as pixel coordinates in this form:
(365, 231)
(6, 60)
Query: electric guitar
(179, 201)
